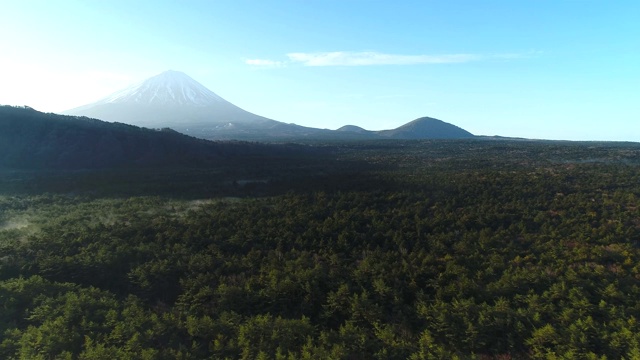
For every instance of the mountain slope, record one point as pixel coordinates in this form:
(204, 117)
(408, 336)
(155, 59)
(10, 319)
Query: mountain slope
(170, 87)
(426, 128)
(173, 99)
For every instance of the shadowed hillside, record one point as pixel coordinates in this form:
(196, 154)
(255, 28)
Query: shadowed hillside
(32, 139)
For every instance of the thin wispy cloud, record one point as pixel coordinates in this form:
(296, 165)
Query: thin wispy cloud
(369, 58)
(264, 63)
(343, 58)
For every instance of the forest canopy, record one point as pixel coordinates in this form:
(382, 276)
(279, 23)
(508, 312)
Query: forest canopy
(468, 249)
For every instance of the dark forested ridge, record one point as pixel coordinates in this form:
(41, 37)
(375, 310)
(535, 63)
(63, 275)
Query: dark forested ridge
(30, 139)
(468, 249)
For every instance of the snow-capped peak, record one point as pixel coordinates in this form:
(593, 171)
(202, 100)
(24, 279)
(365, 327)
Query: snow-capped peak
(168, 88)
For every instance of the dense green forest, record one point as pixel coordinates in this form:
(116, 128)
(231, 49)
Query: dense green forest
(442, 249)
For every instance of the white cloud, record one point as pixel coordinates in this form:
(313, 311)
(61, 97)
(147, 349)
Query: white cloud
(263, 63)
(367, 58)
(348, 58)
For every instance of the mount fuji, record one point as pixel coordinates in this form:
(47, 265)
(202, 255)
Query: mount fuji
(173, 99)
(170, 87)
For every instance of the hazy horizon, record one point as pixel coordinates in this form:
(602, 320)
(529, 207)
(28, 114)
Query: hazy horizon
(548, 70)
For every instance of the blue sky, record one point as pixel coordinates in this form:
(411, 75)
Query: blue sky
(536, 69)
